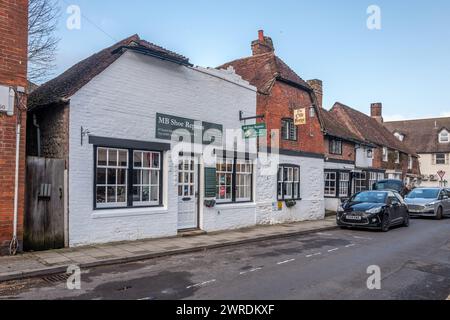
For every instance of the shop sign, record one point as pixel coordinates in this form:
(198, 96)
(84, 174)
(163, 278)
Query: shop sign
(254, 130)
(167, 124)
(300, 116)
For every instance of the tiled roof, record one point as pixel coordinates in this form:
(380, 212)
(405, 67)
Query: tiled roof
(69, 82)
(367, 128)
(263, 69)
(422, 134)
(334, 128)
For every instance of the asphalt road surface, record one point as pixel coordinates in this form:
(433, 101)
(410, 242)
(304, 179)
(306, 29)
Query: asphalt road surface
(414, 264)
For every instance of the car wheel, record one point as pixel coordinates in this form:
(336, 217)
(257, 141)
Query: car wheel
(406, 220)
(385, 223)
(439, 214)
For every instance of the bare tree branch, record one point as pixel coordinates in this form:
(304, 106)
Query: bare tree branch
(43, 18)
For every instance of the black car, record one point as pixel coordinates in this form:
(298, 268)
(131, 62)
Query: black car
(391, 184)
(373, 210)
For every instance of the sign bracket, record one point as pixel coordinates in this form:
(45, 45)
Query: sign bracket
(242, 118)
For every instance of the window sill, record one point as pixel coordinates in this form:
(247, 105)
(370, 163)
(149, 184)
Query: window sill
(128, 212)
(234, 205)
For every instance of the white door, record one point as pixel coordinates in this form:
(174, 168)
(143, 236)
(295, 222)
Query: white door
(187, 194)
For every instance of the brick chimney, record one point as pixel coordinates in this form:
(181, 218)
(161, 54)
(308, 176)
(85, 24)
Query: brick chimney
(317, 87)
(263, 44)
(376, 111)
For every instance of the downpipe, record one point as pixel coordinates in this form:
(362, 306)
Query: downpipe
(14, 245)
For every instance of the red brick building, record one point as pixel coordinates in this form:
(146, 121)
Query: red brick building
(13, 79)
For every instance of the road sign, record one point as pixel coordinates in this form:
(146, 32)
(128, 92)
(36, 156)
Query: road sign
(441, 174)
(254, 130)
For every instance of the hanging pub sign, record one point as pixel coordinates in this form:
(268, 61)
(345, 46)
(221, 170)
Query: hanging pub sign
(166, 125)
(300, 116)
(254, 130)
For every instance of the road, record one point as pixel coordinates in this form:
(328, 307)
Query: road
(414, 264)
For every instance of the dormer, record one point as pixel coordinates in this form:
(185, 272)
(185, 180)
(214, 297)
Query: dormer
(444, 136)
(399, 136)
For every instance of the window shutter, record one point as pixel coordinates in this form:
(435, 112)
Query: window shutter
(210, 182)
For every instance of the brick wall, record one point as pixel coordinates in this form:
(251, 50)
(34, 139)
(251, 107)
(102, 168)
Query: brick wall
(348, 150)
(281, 103)
(13, 71)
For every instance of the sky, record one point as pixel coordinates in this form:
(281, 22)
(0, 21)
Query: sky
(405, 64)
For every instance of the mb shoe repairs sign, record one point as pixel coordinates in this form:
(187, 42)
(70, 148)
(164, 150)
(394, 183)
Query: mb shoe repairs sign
(167, 125)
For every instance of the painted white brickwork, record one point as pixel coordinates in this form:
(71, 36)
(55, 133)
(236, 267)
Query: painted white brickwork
(122, 103)
(311, 207)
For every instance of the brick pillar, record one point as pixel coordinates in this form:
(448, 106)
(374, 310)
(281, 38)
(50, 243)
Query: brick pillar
(13, 73)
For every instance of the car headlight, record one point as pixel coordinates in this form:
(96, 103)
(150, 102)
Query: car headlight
(340, 209)
(431, 204)
(374, 210)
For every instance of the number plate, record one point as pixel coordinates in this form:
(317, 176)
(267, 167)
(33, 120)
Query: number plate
(357, 218)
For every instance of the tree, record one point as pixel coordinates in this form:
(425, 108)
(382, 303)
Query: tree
(43, 18)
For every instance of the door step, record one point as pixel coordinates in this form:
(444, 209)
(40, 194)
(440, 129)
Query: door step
(191, 233)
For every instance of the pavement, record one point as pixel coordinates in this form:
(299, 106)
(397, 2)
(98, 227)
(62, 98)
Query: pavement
(38, 264)
(413, 264)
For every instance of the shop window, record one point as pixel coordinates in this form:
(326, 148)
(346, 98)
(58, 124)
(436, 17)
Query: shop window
(288, 182)
(373, 178)
(330, 184)
(288, 130)
(234, 180)
(335, 146)
(113, 168)
(146, 167)
(344, 180)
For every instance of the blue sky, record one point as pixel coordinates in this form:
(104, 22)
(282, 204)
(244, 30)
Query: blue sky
(405, 65)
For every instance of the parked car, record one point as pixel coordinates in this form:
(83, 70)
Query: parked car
(373, 210)
(428, 202)
(391, 184)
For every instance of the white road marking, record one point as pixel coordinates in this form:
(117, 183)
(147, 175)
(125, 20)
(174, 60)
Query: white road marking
(363, 238)
(251, 270)
(314, 254)
(350, 245)
(148, 298)
(335, 249)
(287, 261)
(201, 284)
(323, 234)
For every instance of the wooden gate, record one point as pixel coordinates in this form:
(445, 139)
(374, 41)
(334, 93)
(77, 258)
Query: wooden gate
(44, 214)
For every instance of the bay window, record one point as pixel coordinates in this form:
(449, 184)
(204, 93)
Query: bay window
(288, 185)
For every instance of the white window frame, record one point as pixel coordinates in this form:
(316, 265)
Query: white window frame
(114, 185)
(224, 168)
(444, 136)
(436, 159)
(288, 129)
(292, 181)
(244, 176)
(335, 146)
(373, 178)
(330, 184)
(149, 170)
(397, 157)
(385, 154)
(344, 181)
(359, 184)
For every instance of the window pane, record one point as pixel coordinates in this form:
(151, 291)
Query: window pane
(146, 159)
(101, 194)
(137, 159)
(137, 194)
(111, 194)
(154, 177)
(155, 160)
(145, 194)
(111, 176)
(121, 176)
(137, 176)
(101, 156)
(154, 194)
(146, 177)
(101, 176)
(121, 194)
(112, 157)
(123, 158)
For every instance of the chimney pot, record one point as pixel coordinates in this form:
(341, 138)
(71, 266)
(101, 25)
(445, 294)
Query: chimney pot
(263, 44)
(261, 35)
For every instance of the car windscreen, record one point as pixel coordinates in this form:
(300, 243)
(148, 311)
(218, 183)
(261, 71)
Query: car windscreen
(423, 194)
(370, 197)
(389, 185)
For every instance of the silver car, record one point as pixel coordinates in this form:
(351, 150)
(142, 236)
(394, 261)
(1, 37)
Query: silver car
(428, 202)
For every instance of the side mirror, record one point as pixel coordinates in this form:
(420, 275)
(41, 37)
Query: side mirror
(445, 197)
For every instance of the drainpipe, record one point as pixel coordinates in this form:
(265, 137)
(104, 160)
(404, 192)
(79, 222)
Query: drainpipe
(14, 243)
(38, 132)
